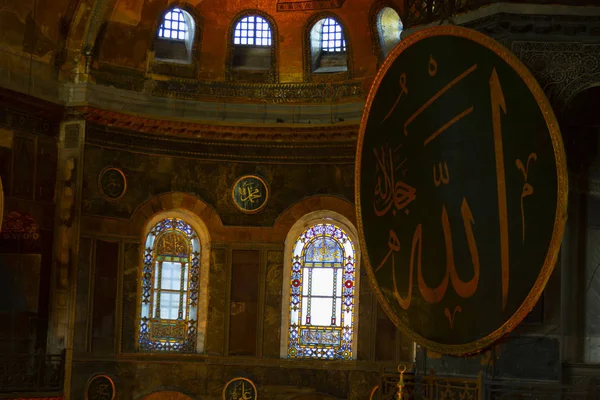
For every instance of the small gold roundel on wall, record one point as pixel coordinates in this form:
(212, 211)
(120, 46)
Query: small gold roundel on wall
(250, 194)
(100, 387)
(240, 388)
(112, 183)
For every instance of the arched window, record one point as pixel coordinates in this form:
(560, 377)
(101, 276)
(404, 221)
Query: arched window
(174, 25)
(252, 31)
(332, 37)
(170, 287)
(252, 51)
(328, 47)
(175, 36)
(389, 28)
(322, 293)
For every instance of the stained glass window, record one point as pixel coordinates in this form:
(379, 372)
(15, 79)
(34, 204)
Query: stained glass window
(322, 284)
(174, 26)
(252, 31)
(170, 283)
(332, 36)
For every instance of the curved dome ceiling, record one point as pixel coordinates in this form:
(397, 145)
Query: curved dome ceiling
(111, 43)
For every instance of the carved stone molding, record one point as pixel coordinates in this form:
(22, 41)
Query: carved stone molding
(192, 89)
(562, 69)
(303, 145)
(266, 134)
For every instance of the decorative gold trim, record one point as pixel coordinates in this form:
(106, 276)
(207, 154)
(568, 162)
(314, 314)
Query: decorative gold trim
(101, 174)
(239, 379)
(562, 185)
(112, 384)
(373, 392)
(259, 209)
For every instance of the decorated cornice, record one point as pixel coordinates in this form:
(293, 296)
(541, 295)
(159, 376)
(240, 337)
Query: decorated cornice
(334, 144)
(192, 89)
(255, 133)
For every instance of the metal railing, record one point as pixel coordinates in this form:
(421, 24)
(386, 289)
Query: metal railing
(31, 373)
(433, 387)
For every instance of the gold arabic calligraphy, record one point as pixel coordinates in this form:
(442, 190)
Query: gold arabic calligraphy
(392, 192)
(249, 193)
(241, 391)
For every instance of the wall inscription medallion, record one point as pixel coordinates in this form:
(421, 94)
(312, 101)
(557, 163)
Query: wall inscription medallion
(240, 389)
(112, 183)
(461, 189)
(100, 387)
(250, 194)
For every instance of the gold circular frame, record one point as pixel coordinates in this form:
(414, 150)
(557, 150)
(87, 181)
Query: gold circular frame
(371, 397)
(561, 199)
(112, 384)
(102, 192)
(238, 379)
(259, 209)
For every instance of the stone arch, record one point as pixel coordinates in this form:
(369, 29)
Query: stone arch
(175, 200)
(291, 215)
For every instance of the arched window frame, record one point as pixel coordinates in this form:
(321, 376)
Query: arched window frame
(244, 32)
(312, 49)
(374, 23)
(271, 75)
(307, 221)
(185, 25)
(145, 310)
(192, 43)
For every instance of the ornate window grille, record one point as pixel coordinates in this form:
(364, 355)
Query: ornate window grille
(252, 31)
(170, 285)
(174, 26)
(332, 36)
(322, 284)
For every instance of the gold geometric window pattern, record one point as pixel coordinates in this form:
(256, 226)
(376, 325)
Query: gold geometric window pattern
(170, 285)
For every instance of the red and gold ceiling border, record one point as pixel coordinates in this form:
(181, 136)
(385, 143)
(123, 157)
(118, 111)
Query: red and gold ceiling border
(337, 132)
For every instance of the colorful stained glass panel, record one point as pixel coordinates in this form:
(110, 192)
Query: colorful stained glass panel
(322, 282)
(170, 279)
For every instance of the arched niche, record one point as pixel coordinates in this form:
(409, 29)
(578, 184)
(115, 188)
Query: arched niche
(389, 29)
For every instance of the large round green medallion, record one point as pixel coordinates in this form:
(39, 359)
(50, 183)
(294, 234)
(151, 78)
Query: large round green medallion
(461, 189)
